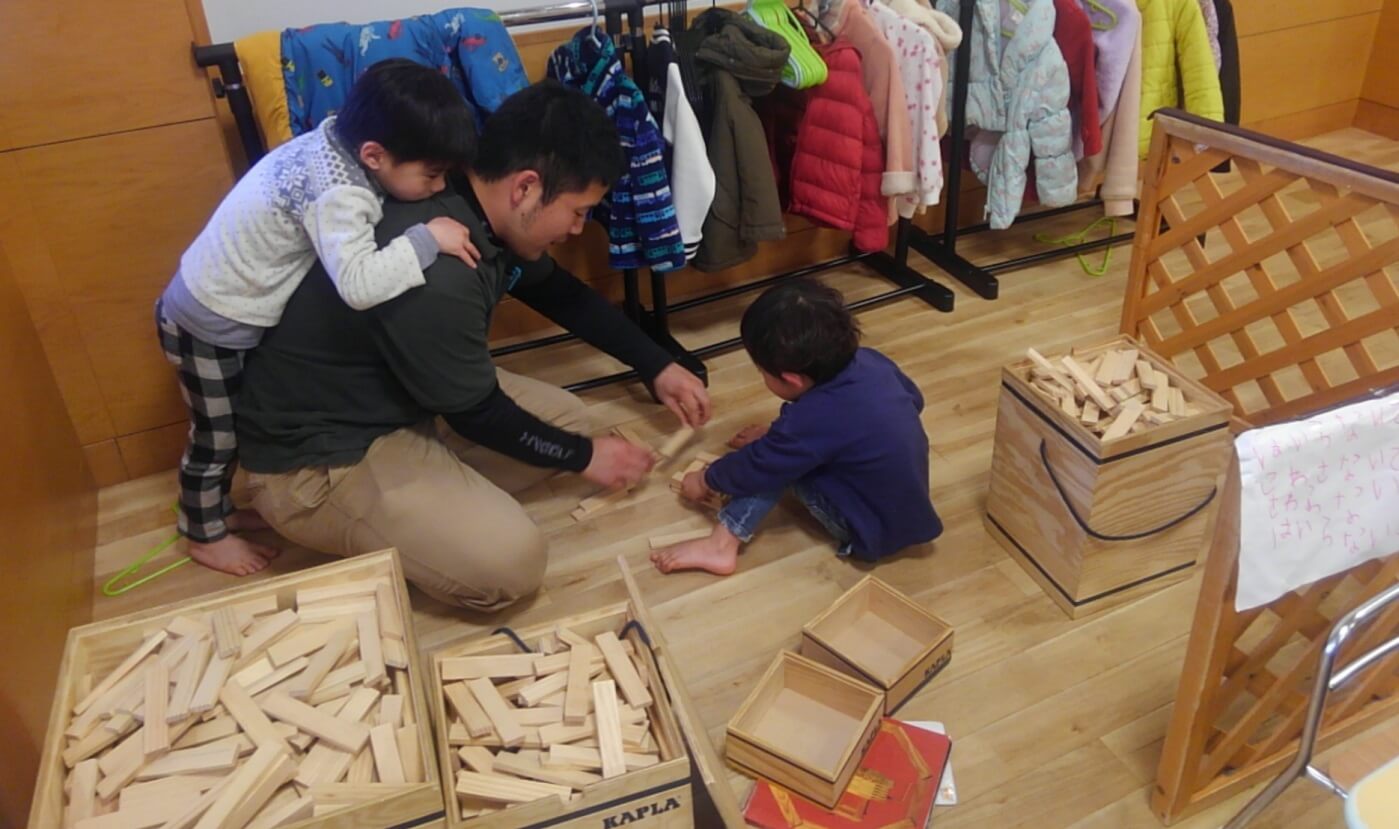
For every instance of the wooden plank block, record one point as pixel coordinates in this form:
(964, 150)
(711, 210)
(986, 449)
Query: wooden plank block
(410, 753)
(477, 759)
(535, 693)
(143, 816)
(400, 687)
(156, 729)
(239, 704)
(390, 710)
(219, 756)
(259, 668)
(264, 632)
(278, 676)
(609, 728)
(207, 692)
(467, 708)
(555, 663)
(119, 673)
(306, 640)
(1090, 388)
(336, 592)
(1090, 413)
(361, 769)
(82, 798)
(371, 648)
(95, 742)
(390, 619)
(383, 741)
(675, 442)
(228, 638)
(322, 662)
(395, 653)
(1106, 366)
(573, 756)
(207, 732)
(258, 607)
(187, 818)
(659, 541)
(1151, 378)
(1176, 405)
(597, 503)
(623, 671)
(263, 791)
(187, 626)
(146, 790)
(491, 667)
(336, 731)
(578, 693)
(506, 789)
(243, 785)
(496, 708)
(1161, 398)
(1049, 368)
(527, 764)
(344, 795)
(187, 679)
(1145, 373)
(544, 715)
(1067, 404)
(563, 733)
(274, 817)
(1124, 420)
(337, 683)
(1124, 362)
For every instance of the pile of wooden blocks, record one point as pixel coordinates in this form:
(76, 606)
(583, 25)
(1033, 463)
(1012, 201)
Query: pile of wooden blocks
(249, 716)
(1113, 394)
(548, 724)
(702, 460)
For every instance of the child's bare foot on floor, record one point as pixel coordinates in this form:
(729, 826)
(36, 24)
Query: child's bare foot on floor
(718, 554)
(247, 519)
(233, 555)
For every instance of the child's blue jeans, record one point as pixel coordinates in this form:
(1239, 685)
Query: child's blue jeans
(741, 516)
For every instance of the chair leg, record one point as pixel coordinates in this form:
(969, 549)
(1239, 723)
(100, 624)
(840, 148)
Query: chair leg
(1265, 798)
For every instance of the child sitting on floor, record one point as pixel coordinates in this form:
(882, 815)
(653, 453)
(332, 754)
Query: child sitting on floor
(402, 127)
(848, 441)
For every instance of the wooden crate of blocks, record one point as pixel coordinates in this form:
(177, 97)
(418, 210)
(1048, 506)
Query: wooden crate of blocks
(293, 701)
(568, 723)
(1099, 515)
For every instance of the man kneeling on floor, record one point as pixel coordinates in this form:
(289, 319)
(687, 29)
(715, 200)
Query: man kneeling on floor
(391, 427)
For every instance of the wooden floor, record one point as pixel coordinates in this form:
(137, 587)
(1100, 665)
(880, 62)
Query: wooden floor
(1055, 723)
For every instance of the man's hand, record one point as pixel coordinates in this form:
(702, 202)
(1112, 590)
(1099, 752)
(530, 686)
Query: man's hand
(453, 238)
(747, 435)
(617, 464)
(683, 393)
(693, 488)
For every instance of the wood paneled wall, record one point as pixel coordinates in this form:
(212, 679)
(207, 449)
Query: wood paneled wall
(48, 507)
(111, 165)
(1379, 99)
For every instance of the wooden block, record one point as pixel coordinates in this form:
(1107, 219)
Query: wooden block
(274, 817)
(143, 816)
(491, 667)
(146, 648)
(1090, 413)
(82, 798)
(527, 764)
(246, 784)
(578, 693)
(609, 728)
(264, 632)
(179, 784)
(467, 708)
(390, 620)
(559, 733)
(390, 710)
(410, 754)
(395, 653)
(383, 741)
(187, 679)
(322, 662)
(1067, 404)
(278, 676)
(207, 692)
(1124, 360)
(227, 636)
(1120, 394)
(120, 723)
(623, 671)
(597, 503)
(545, 715)
(207, 732)
(496, 708)
(506, 789)
(97, 741)
(1049, 368)
(547, 645)
(254, 672)
(187, 818)
(343, 795)
(1124, 420)
(1161, 398)
(187, 626)
(1176, 405)
(1090, 388)
(573, 756)
(336, 592)
(676, 442)
(1133, 386)
(476, 758)
(1106, 366)
(361, 769)
(661, 541)
(1145, 372)
(219, 756)
(338, 609)
(335, 731)
(306, 640)
(371, 649)
(1151, 378)
(535, 693)
(258, 607)
(155, 728)
(250, 717)
(545, 665)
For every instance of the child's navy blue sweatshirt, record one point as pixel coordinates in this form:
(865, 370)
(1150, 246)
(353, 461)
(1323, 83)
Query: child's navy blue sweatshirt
(857, 440)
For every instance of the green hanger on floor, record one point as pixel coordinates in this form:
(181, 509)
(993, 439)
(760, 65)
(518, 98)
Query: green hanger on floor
(1079, 238)
(111, 589)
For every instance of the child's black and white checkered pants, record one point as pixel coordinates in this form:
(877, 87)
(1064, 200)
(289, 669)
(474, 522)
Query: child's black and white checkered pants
(210, 376)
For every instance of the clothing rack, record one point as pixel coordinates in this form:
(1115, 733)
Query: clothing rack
(941, 250)
(625, 22)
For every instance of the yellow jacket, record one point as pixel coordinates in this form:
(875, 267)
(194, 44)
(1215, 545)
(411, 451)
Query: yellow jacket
(1176, 59)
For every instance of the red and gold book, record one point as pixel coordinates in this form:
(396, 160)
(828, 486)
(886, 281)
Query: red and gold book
(893, 788)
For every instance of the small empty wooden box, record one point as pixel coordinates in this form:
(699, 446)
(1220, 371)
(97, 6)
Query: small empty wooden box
(877, 634)
(805, 727)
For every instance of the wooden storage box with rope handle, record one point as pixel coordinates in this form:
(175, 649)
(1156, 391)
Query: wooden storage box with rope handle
(1100, 519)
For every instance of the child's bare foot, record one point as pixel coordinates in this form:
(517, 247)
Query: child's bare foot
(718, 554)
(233, 555)
(244, 520)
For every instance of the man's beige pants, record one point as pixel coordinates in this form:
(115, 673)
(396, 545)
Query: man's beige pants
(444, 502)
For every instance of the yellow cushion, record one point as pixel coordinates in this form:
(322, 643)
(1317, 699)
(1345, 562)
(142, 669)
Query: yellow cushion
(260, 55)
(1374, 802)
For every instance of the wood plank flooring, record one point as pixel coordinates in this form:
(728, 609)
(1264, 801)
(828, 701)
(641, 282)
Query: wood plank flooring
(1056, 723)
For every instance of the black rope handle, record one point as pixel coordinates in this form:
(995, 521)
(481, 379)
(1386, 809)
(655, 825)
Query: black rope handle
(1054, 479)
(514, 637)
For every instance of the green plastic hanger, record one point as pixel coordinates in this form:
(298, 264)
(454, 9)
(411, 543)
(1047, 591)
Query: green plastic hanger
(1081, 236)
(111, 589)
(804, 68)
(1106, 12)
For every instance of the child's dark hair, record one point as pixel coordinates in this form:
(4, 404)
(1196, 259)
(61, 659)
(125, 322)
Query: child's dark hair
(800, 326)
(558, 132)
(413, 110)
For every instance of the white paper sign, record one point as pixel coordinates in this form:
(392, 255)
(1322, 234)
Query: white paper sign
(1319, 497)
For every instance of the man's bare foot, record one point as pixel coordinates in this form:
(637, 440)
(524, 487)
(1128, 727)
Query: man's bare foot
(718, 554)
(231, 554)
(244, 520)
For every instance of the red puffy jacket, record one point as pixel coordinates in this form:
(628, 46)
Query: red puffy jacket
(839, 159)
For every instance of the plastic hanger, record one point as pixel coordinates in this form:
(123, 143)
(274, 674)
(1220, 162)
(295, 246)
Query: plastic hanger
(597, 39)
(1106, 12)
